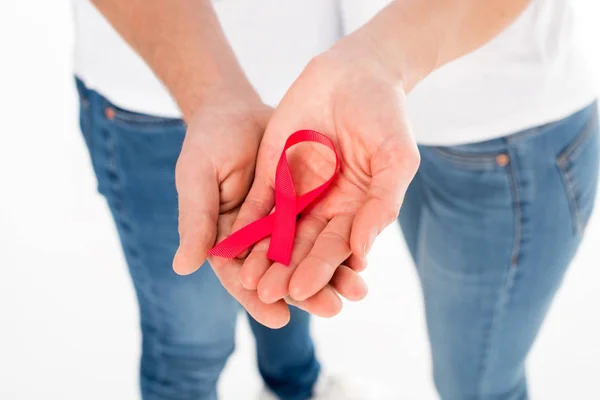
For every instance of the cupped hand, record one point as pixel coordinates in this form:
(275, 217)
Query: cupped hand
(214, 172)
(348, 95)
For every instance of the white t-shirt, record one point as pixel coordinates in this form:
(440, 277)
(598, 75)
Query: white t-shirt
(535, 72)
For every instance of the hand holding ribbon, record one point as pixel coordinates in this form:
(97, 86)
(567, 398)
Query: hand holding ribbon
(359, 105)
(214, 173)
(281, 224)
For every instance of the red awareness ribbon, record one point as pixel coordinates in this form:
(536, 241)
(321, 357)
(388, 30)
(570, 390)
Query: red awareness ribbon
(281, 224)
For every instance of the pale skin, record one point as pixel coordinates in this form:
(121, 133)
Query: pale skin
(354, 93)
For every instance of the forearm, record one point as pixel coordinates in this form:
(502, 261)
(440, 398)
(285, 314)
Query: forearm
(183, 43)
(415, 37)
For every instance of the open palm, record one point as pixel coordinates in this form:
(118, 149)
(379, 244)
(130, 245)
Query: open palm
(214, 173)
(360, 107)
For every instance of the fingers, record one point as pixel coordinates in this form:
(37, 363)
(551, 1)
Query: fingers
(255, 265)
(356, 263)
(325, 304)
(274, 316)
(393, 167)
(349, 283)
(198, 196)
(274, 284)
(330, 250)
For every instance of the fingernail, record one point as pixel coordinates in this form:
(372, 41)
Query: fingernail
(267, 296)
(247, 282)
(297, 294)
(370, 241)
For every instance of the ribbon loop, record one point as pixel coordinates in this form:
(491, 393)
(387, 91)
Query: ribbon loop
(281, 224)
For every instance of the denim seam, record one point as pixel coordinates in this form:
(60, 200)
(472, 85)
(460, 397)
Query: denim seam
(518, 211)
(509, 276)
(115, 189)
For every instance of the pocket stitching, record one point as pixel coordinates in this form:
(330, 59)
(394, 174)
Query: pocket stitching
(145, 120)
(140, 121)
(563, 160)
(573, 206)
(573, 148)
(469, 160)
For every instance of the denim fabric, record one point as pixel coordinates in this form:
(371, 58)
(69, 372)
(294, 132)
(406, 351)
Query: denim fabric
(492, 227)
(187, 322)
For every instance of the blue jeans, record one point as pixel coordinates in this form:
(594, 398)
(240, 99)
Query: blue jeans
(187, 323)
(491, 226)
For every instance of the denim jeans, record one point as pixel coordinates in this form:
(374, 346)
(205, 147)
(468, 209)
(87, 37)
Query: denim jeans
(491, 227)
(187, 323)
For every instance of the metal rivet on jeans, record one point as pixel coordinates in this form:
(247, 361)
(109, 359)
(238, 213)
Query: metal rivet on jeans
(502, 160)
(109, 112)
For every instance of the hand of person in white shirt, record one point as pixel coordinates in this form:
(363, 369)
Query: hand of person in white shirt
(214, 172)
(347, 95)
(355, 94)
(182, 41)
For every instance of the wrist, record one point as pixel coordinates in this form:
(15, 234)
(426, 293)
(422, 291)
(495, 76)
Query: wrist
(396, 57)
(202, 96)
(357, 56)
(406, 39)
(241, 110)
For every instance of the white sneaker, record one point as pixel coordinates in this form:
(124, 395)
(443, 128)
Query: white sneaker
(333, 387)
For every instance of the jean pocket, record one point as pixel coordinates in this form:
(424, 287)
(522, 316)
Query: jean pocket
(477, 181)
(578, 166)
(141, 122)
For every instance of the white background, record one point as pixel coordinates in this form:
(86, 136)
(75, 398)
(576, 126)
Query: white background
(68, 318)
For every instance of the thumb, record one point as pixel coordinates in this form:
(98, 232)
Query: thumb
(198, 194)
(393, 167)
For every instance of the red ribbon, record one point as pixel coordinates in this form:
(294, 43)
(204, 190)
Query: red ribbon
(281, 224)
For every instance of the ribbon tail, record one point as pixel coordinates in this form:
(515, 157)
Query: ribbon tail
(284, 232)
(240, 240)
(284, 228)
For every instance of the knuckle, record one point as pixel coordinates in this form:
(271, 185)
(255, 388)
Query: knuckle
(336, 239)
(303, 242)
(310, 225)
(320, 261)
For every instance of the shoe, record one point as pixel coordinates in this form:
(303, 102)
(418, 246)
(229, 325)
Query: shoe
(333, 387)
